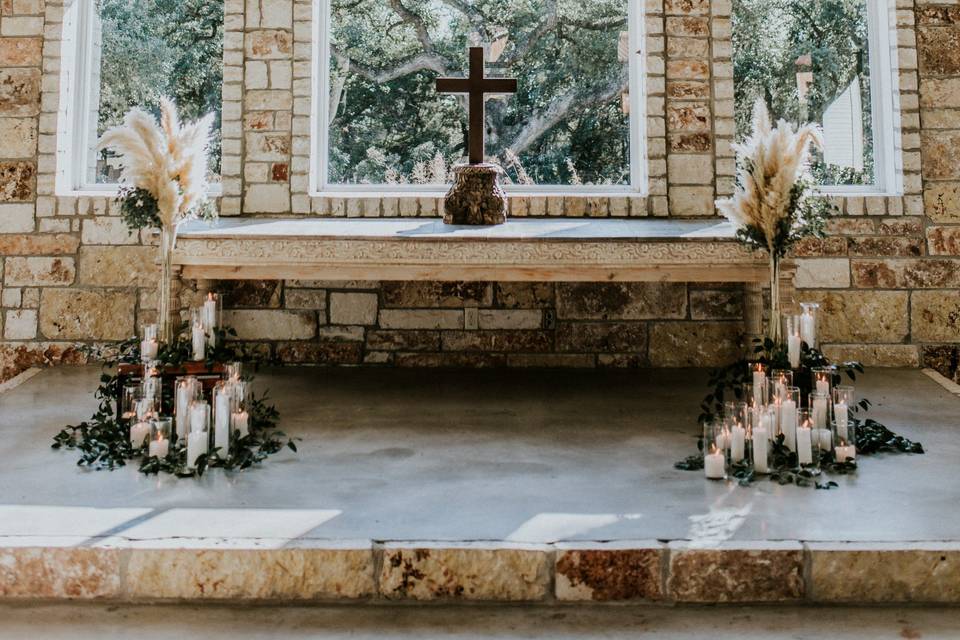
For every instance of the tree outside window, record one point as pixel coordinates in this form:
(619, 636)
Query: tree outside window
(810, 62)
(144, 49)
(569, 123)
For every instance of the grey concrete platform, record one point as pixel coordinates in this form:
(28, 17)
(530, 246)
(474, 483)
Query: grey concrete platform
(533, 486)
(469, 623)
(533, 456)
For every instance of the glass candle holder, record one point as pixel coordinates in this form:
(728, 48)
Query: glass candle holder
(714, 456)
(234, 370)
(820, 415)
(808, 323)
(152, 383)
(769, 418)
(149, 346)
(737, 441)
(222, 410)
(161, 429)
(760, 448)
(758, 382)
(198, 335)
(140, 424)
(845, 447)
(789, 406)
(187, 389)
(780, 381)
(821, 379)
(808, 451)
(240, 392)
(198, 438)
(844, 400)
(791, 331)
(128, 401)
(211, 315)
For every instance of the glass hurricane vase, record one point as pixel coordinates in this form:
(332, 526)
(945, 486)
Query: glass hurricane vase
(774, 327)
(166, 278)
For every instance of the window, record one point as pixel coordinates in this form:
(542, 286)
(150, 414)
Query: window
(118, 54)
(824, 61)
(574, 124)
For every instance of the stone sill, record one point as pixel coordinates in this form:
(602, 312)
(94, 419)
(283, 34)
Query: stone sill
(309, 570)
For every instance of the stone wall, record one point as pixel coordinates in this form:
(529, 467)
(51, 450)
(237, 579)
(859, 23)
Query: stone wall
(888, 276)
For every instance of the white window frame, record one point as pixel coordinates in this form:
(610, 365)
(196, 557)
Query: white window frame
(79, 78)
(320, 186)
(885, 106)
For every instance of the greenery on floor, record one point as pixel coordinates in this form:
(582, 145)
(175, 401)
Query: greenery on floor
(104, 440)
(727, 383)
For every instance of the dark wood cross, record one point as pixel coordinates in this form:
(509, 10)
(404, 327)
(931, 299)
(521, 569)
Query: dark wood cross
(477, 87)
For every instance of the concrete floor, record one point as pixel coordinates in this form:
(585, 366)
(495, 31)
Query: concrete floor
(521, 455)
(99, 622)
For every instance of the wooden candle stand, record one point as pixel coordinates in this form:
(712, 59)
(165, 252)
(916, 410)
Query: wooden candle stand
(208, 376)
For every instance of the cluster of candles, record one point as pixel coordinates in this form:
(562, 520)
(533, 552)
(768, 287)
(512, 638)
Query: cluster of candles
(193, 414)
(800, 329)
(204, 322)
(770, 406)
(226, 415)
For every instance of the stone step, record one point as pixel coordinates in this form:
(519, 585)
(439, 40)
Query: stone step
(304, 570)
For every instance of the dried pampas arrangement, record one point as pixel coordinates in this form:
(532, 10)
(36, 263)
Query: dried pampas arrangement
(163, 178)
(772, 206)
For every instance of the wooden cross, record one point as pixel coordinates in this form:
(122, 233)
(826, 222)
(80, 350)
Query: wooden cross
(477, 87)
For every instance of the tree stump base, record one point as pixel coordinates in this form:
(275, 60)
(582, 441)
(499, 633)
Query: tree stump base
(476, 197)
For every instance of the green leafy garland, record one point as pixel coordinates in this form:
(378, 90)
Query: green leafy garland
(104, 442)
(871, 436)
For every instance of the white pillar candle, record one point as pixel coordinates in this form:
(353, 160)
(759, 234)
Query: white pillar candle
(824, 438)
(845, 451)
(738, 438)
(804, 445)
(766, 423)
(713, 464)
(793, 351)
(210, 312)
(139, 431)
(199, 416)
(240, 421)
(759, 383)
(199, 342)
(160, 447)
(197, 443)
(841, 417)
(820, 413)
(221, 422)
(182, 414)
(788, 423)
(823, 386)
(760, 446)
(149, 350)
(808, 330)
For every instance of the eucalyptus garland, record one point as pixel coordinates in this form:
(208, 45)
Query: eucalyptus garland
(104, 441)
(727, 383)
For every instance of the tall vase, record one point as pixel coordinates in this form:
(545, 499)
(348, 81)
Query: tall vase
(166, 276)
(774, 326)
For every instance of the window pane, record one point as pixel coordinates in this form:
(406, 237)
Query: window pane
(810, 62)
(568, 124)
(145, 49)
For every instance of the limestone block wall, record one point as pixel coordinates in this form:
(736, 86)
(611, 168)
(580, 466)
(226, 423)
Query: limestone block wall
(888, 276)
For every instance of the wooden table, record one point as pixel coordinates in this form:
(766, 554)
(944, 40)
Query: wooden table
(524, 249)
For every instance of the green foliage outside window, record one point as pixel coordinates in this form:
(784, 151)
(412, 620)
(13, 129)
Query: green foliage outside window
(155, 48)
(566, 125)
(775, 41)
